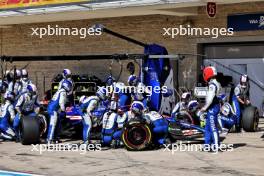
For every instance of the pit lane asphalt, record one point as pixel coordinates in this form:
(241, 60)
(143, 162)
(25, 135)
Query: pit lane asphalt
(246, 159)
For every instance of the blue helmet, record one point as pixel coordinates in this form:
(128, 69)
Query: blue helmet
(9, 96)
(66, 73)
(132, 80)
(137, 107)
(109, 80)
(66, 85)
(102, 93)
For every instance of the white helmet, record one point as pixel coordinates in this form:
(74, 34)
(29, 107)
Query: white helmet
(225, 110)
(66, 73)
(185, 96)
(18, 74)
(132, 80)
(102, 93)
(81, 100)
(137, 107)
(24, 74)
(193, 105)
(244, 81)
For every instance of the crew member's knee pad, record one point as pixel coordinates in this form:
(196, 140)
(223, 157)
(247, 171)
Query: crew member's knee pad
(236, 106)
(107, 136)
(16, 121)
(117, 135)
(3, 126)
(107, 140)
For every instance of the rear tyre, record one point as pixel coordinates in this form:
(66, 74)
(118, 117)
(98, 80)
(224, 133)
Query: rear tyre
(29, 130)
(250, 119)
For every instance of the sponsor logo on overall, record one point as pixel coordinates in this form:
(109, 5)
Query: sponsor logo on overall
(211, 9)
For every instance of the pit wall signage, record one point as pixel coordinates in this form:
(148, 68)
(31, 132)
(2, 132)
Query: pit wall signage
(9, 4)
(246, 22)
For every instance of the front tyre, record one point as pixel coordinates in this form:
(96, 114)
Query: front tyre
(136, 135)
(250, 119)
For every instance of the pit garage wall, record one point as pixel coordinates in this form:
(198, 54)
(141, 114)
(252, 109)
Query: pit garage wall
(18, 41)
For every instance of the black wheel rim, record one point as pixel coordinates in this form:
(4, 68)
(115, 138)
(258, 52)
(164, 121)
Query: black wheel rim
(137, 135)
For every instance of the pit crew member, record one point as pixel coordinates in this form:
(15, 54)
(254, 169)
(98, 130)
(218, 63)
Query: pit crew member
(66, 74)
(56, 109)
(240, 99)
(182, 105)
(88, 105)
(141, 93)
(160, 125)
(25, 81)
(8, 114)
(26, 105)
(14, 83)
(226, 117)
(212, 107)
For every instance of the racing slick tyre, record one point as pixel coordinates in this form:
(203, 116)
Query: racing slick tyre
(29, 130)
(137, 135)
(250, 119)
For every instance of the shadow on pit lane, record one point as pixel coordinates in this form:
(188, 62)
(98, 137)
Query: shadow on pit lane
(238, 145)
(260, 129)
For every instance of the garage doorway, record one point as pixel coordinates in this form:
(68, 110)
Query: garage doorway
(234, 60)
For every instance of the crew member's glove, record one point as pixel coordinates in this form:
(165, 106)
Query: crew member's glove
(247, 102)
(203, 109)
